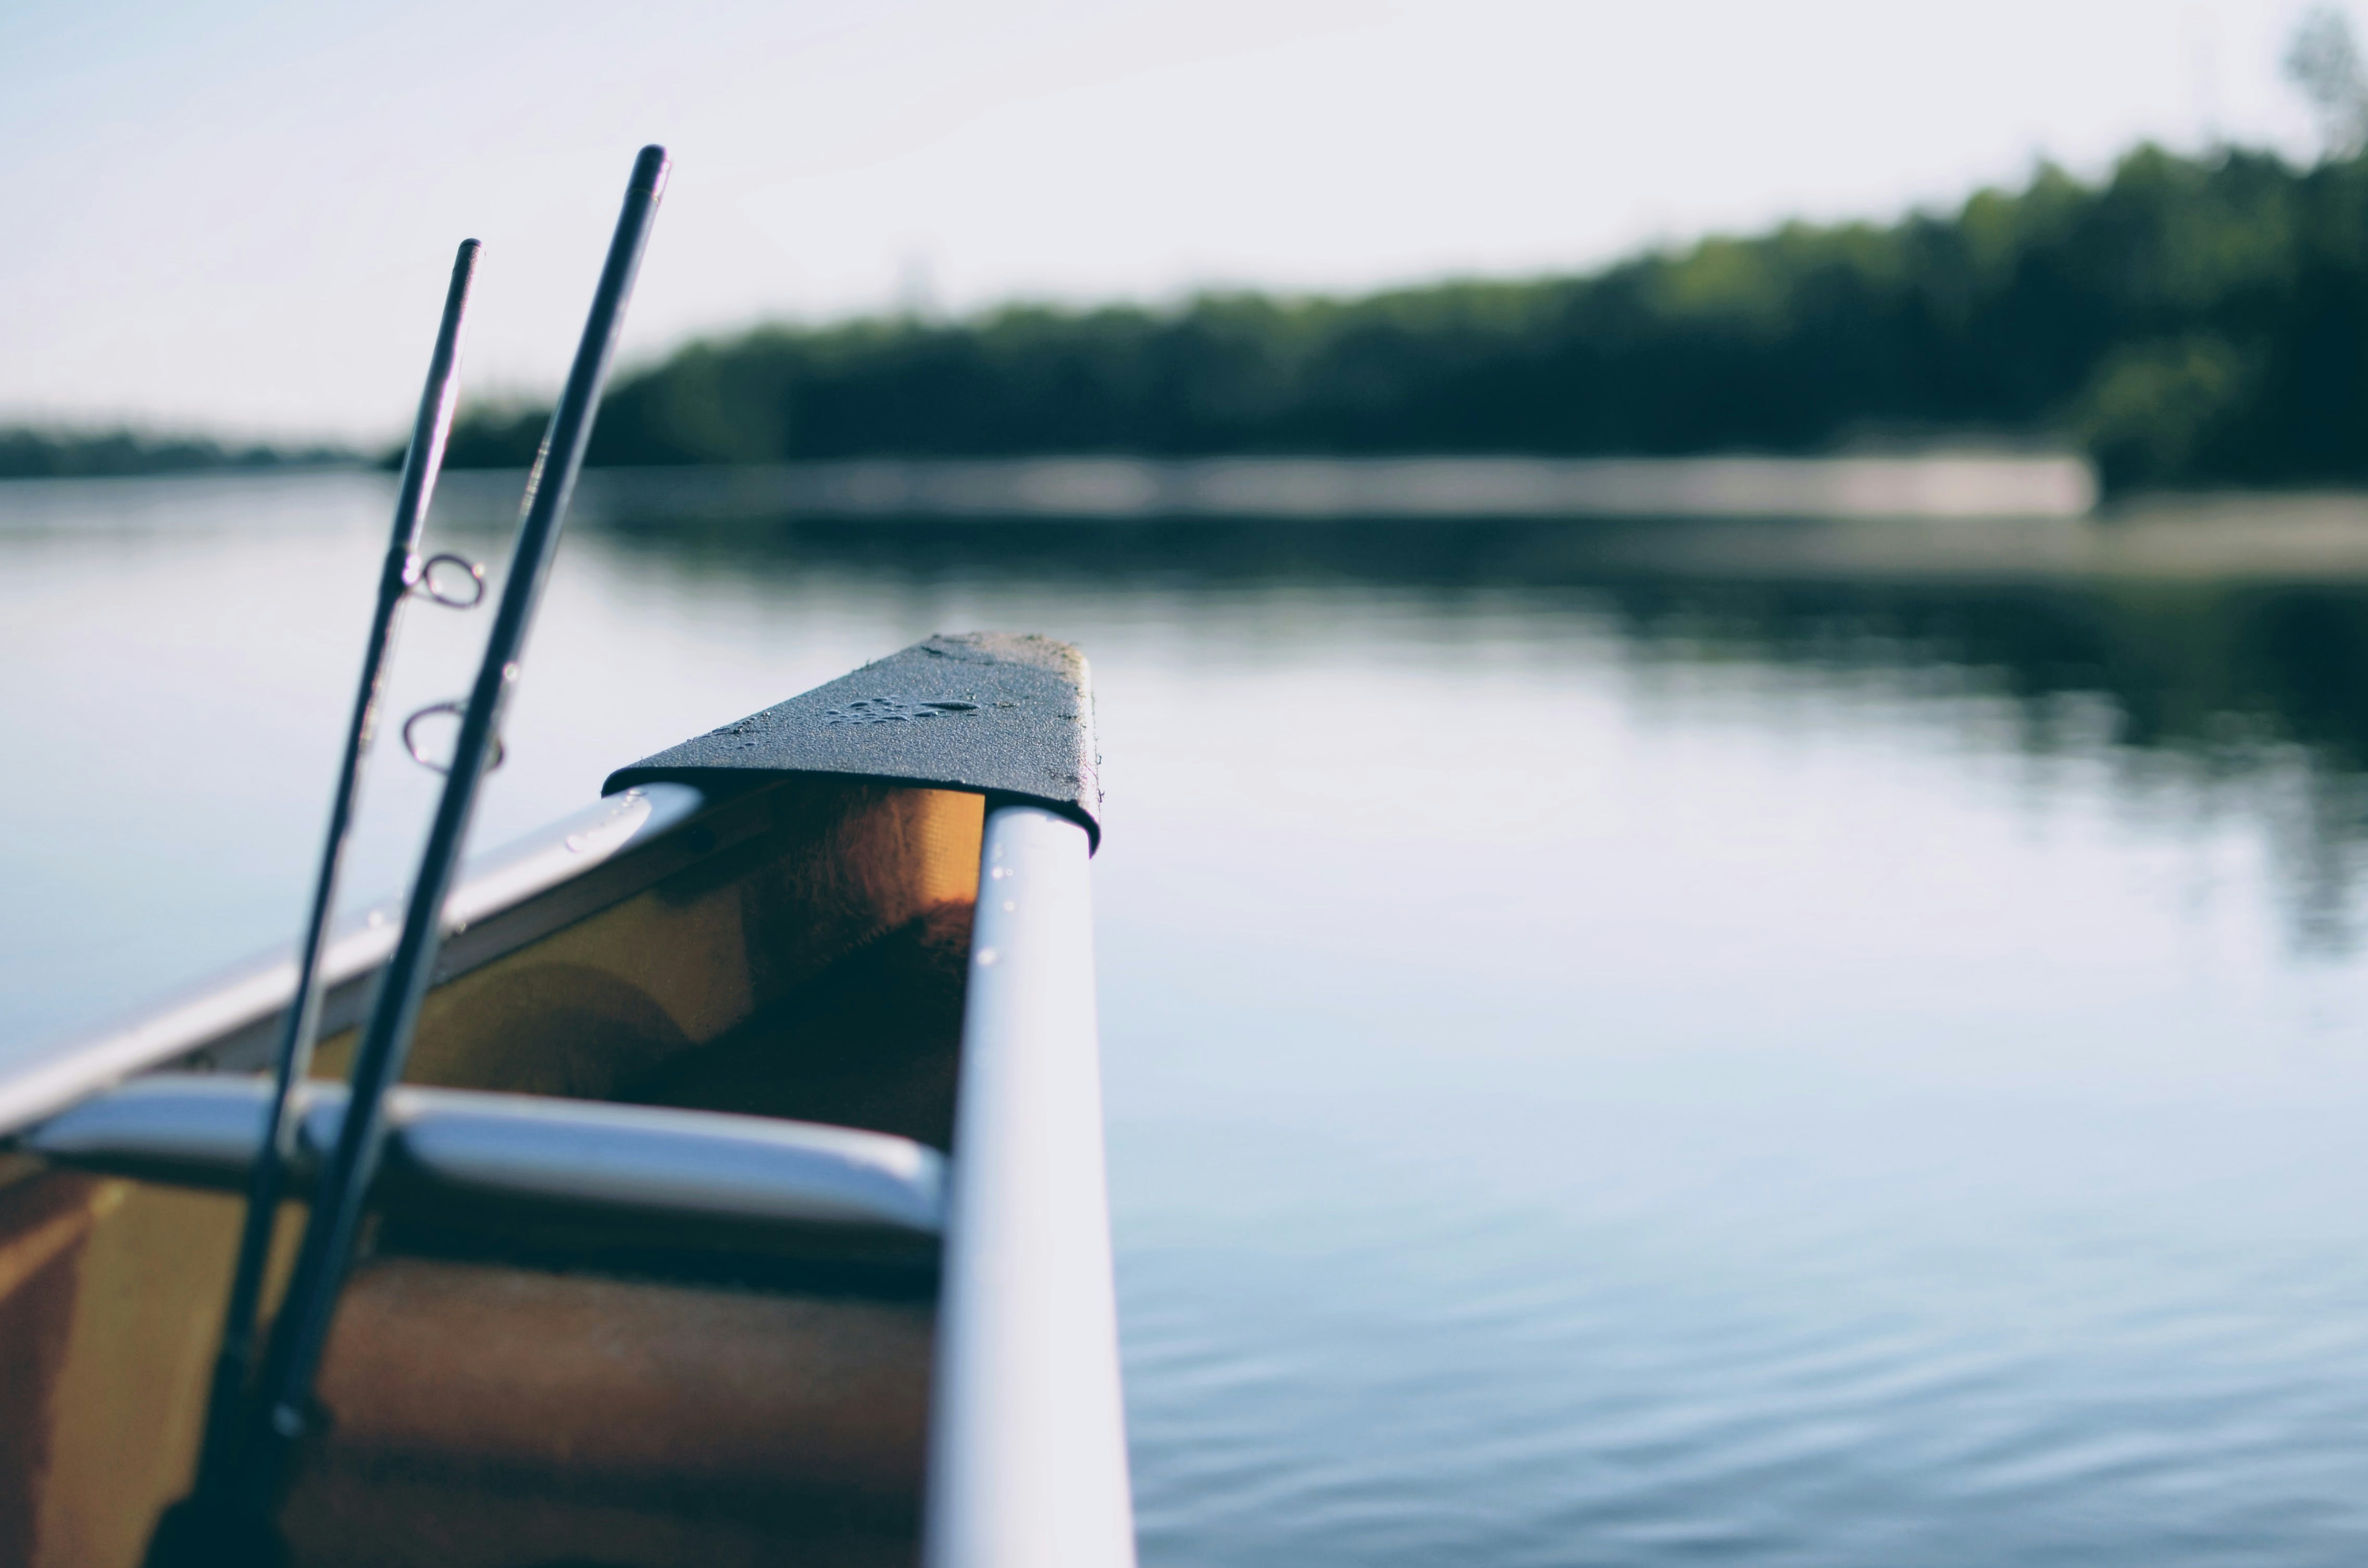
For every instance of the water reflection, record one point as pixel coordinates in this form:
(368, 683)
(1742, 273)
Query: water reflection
(1627, 1047)
(2255, 694)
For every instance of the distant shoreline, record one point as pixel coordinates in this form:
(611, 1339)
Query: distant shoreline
(1936, 484)
(2235, 537)
(30, 453)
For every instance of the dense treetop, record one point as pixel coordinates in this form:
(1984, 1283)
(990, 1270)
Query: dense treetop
(26, 453)
(2186, 321)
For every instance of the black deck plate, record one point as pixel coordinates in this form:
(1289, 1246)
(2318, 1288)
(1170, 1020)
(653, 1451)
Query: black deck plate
(1003, 713)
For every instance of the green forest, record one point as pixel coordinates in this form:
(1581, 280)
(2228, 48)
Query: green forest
(2187, 320)
(30, 453)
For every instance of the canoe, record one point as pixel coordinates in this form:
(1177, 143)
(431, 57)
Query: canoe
(745, 1203)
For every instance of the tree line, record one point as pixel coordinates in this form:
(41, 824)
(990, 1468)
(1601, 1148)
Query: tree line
(28, 452)
(2187, 320)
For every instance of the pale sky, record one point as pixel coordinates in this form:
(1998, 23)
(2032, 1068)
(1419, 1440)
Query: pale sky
(238, 217)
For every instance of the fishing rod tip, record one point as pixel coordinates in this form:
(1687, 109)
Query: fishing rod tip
(464, 274)
(649, 170)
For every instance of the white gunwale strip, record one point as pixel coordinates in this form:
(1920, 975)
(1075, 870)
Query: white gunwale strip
(1027, 1464)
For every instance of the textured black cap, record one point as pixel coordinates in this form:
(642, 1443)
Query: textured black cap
(1003, 713)
(650, 167)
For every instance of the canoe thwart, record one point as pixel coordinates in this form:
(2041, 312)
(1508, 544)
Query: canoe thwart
(586, 1157)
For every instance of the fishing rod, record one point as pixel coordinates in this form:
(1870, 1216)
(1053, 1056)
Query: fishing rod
(403, 575)
(279, 1414)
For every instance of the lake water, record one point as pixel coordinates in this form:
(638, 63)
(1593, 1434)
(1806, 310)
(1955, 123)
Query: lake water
(1604, 1067)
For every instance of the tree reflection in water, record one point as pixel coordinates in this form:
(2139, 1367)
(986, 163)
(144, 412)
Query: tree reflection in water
(2255, 691)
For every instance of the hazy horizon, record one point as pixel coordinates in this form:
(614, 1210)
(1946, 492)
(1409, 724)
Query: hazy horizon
(241, 218)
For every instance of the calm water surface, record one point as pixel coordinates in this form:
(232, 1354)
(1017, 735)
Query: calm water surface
(1602, 1070)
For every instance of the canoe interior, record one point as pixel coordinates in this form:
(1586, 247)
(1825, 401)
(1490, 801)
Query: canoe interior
(504, 1395)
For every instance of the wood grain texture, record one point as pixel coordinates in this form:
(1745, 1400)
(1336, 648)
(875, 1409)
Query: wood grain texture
(533, 1417)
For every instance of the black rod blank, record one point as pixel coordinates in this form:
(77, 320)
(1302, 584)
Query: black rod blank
(300, 1027)
(278, 1416)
